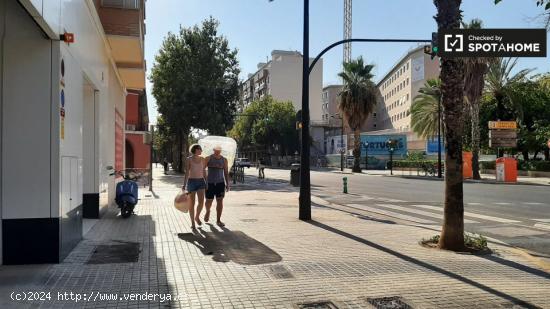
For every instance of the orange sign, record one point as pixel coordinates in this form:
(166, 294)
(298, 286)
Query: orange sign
(503, 125)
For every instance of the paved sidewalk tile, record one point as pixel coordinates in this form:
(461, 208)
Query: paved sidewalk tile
(266, 258)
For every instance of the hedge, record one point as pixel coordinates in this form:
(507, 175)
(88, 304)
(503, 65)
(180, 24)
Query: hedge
(415, 163)
(539, 166)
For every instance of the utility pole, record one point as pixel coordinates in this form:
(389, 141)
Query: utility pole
(151, 158)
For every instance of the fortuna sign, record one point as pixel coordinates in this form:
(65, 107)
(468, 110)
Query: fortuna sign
(492, 43)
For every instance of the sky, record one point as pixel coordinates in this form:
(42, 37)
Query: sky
(256, 27)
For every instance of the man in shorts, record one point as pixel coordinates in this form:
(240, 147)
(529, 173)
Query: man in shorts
(218, 183)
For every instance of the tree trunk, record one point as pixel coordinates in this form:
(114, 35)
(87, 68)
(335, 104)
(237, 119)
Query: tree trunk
(474, 110)
(452, 88)
(357, 151)
(547, 154)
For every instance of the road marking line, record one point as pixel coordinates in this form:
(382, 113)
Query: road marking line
(392, 214)
(474, 203)
(532, 203)
(471, 214)
(420, 212)
(543, 220)
(502, 203)
(542, 226)
(391, 200)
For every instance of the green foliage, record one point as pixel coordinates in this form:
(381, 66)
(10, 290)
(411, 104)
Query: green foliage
(265, 123)
(475, 241)
(415, 156)
(195, 79)
(539, 166)
(358, 96)
(424, 110)
(419, 164)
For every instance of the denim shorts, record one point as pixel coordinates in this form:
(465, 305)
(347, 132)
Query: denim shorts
(195, 184)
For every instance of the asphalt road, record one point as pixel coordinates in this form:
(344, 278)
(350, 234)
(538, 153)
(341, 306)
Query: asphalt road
(516, 214)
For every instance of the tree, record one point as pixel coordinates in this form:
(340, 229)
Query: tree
(357, 101)
(499, 83)
(474, 79)
(452, 97)
(195, 82)
(266, 123)
(424, 110)
(546, 15)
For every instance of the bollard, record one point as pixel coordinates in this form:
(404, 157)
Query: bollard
(345, 179)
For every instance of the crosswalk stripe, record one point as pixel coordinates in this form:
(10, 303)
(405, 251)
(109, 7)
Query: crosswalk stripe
(542, 226)
(420, 212)
(392, 214)
(471, 214)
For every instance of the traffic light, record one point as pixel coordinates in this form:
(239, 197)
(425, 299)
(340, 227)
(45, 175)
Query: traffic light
(432, 49)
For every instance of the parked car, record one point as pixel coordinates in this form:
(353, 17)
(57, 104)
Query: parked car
(243, 162)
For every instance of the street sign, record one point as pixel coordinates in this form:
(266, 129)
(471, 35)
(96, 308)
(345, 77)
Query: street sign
(503, 125)
(503, 143)
(503, 134)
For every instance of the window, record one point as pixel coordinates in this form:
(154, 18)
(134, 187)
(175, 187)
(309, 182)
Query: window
(121, 4)
(374, 115)
(407, 81)
(374, 125)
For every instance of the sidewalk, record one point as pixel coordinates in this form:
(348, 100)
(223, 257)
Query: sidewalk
(266, 258)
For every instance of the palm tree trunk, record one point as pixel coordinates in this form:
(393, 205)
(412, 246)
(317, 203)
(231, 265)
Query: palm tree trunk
(452, 78)
(474, 111)
(357, 151)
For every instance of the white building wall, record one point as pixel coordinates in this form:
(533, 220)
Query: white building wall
(38, 164)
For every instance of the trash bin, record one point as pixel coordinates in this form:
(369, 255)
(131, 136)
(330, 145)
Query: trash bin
(295, 174)
(507, 170)
(467, 170)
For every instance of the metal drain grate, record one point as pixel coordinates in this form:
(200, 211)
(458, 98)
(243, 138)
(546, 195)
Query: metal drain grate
(393, 302)
(279, 272)
(124, 252)
(317, 305)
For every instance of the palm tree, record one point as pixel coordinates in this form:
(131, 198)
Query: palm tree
(499, 84)
(357, 100)
(474, 79)
(452, 98)
(424, 110)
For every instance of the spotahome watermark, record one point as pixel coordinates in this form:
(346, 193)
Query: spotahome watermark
(492, 43)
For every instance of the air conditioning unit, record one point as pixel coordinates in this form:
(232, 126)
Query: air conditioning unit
(147, 138)
(130, 127)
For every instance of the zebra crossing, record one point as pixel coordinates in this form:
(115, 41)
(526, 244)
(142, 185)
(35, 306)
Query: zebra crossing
(423, 213)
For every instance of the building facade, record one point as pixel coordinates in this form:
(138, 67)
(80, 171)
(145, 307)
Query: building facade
(398, 88)
(281, 78)
(60, 141)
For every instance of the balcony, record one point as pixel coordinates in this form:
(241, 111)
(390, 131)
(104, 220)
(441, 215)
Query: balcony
(123, 22)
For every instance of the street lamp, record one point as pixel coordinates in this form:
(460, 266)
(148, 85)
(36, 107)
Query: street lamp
(342, 151)
(366, 145)
(391, 148)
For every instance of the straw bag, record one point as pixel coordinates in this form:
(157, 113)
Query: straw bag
(181, 201)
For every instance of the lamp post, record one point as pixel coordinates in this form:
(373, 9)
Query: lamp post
(151, 158)
(391, 147)
(366, 145)
(342, 150)
(439, 137)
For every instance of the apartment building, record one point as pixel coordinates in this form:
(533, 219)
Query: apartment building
(398, 88)
(125, 29)
(281, 77)
(63, 98)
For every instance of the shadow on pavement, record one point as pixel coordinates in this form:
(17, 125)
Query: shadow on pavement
(225, 245)
(514, 300)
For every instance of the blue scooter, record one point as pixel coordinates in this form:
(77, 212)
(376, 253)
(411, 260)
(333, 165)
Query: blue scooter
(126, 193)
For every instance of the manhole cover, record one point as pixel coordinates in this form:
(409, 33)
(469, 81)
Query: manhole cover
(393, 302)
(124, 252)
(280, 272)
(249, 220)
(317, 305)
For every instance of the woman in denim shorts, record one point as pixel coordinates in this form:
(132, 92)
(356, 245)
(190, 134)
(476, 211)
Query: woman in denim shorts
(195, 183)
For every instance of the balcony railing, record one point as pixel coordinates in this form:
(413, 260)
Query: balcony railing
(121, 4)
